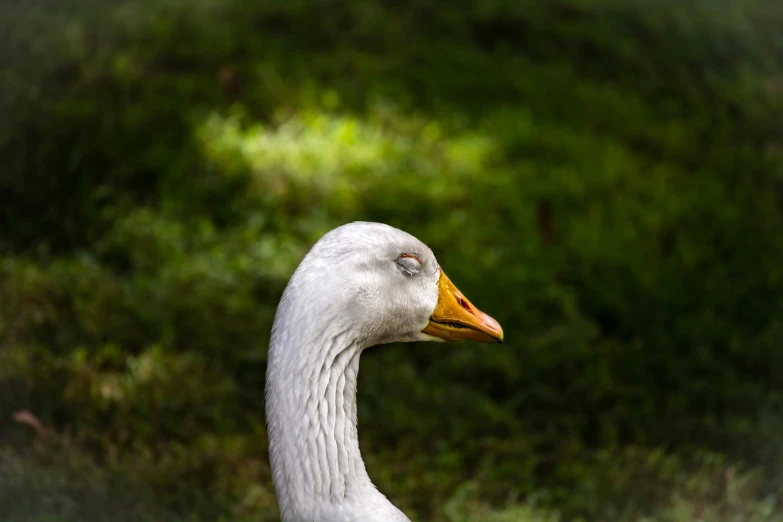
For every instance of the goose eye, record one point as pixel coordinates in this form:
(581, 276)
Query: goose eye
(409, 264)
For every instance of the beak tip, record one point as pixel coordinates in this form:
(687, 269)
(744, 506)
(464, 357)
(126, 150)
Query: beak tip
(494, 327)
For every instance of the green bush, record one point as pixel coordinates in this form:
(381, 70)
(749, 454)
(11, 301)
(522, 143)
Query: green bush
(603, 177)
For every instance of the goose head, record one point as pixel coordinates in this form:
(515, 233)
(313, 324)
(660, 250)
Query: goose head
(386, 286)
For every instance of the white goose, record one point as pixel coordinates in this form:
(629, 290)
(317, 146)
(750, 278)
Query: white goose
(361, 285)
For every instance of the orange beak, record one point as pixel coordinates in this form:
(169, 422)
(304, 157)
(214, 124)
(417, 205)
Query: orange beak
(455, 318)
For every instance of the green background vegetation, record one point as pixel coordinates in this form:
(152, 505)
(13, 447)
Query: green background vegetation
(602, 176)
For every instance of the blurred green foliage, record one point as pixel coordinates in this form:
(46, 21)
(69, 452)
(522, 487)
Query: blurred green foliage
(602, 176)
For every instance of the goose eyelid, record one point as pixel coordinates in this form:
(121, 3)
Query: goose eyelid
(409, 264)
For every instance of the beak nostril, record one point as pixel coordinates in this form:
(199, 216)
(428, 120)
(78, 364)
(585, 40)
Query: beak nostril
(464, 304)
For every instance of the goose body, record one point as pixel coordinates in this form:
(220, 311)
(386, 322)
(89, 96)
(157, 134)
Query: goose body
(362, 284)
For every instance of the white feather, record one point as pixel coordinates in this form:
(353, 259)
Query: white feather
(349, 293)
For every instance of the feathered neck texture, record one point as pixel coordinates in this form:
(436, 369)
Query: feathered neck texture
(312, 370)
